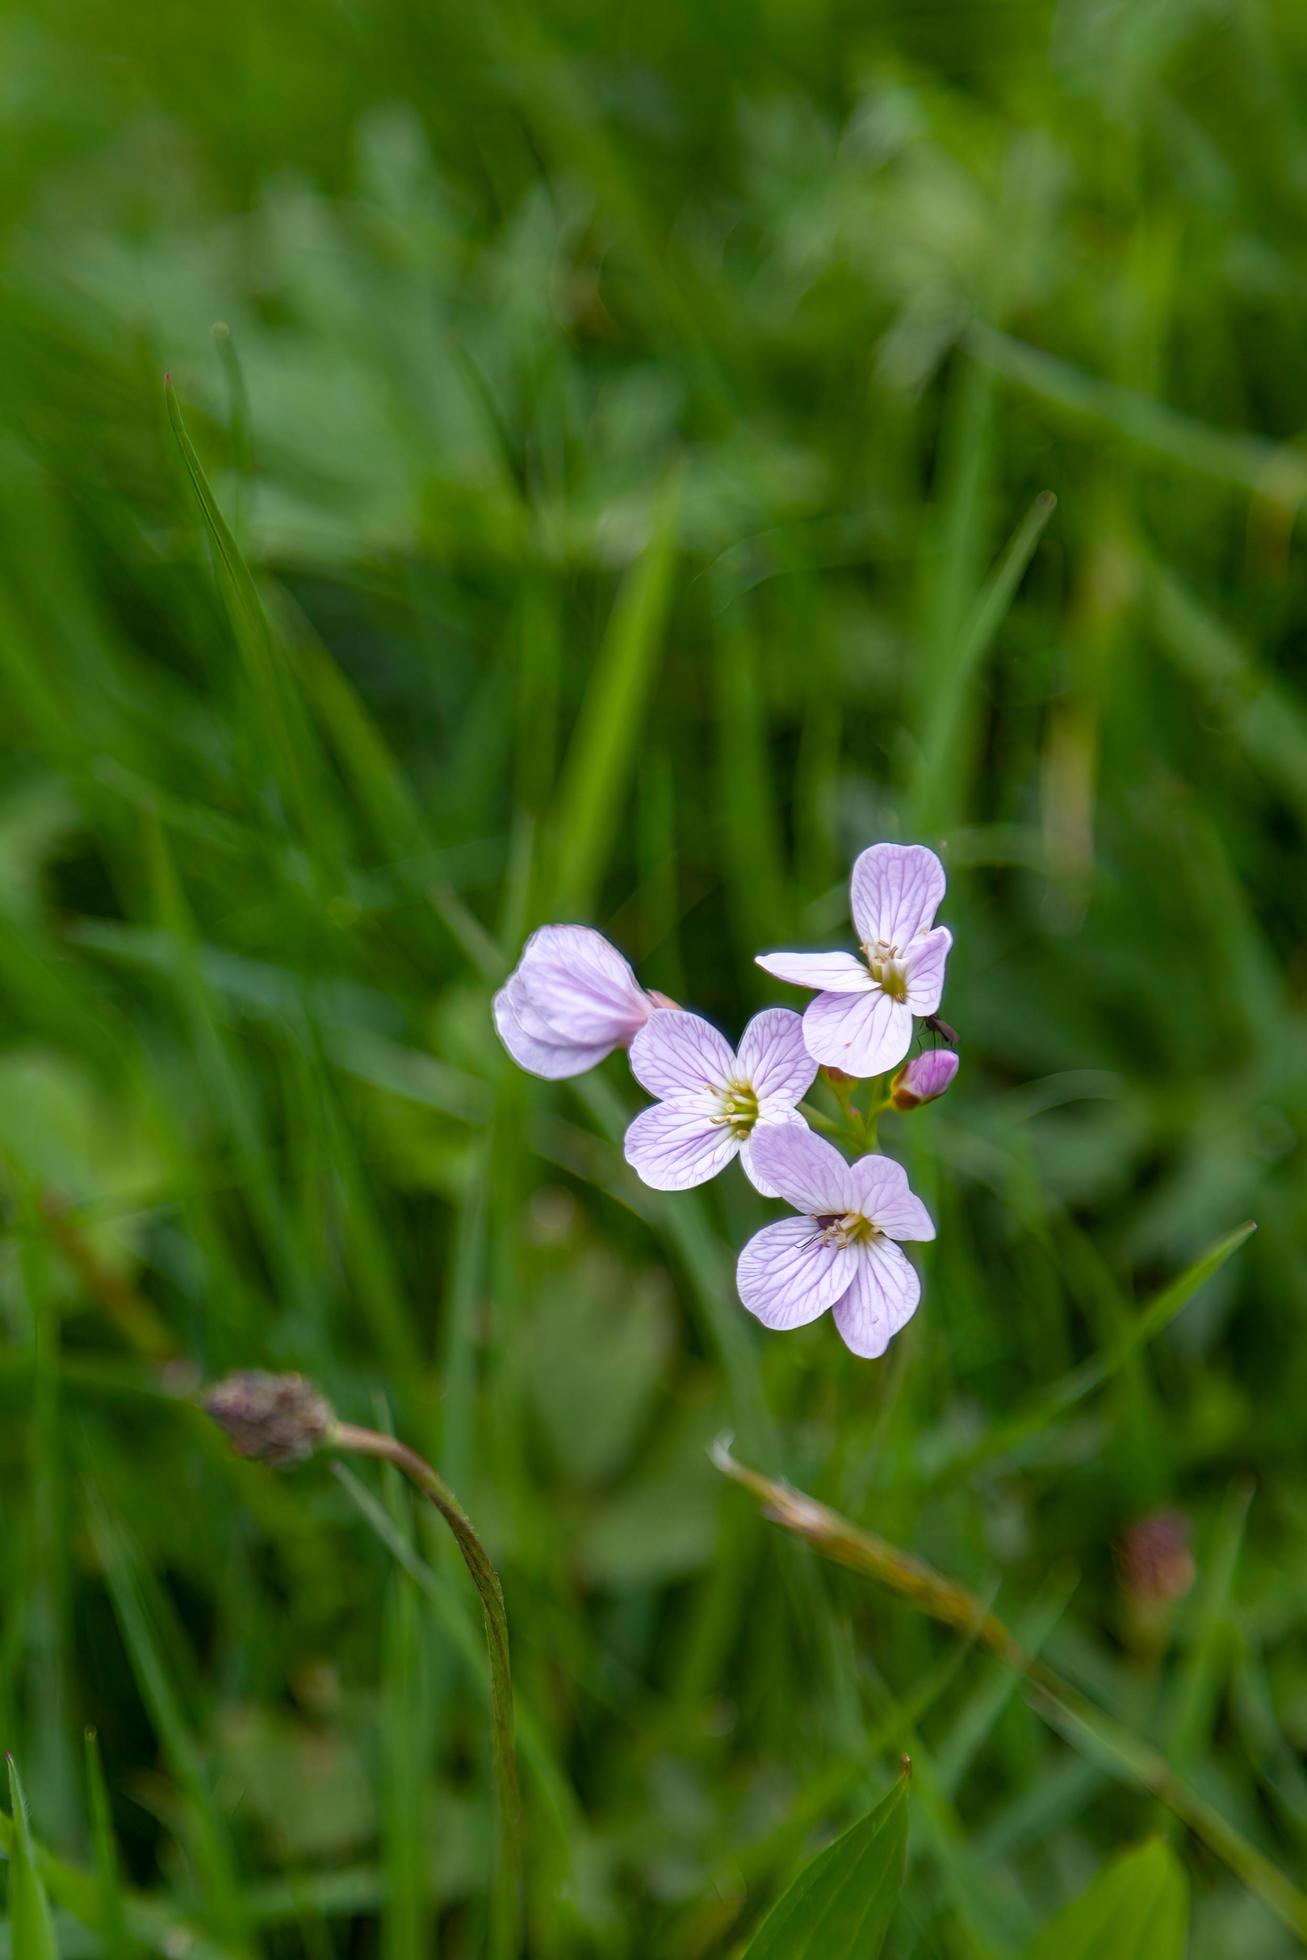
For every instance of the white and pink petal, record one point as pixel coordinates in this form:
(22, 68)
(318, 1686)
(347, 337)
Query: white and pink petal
(880, 1300)
(770, 1116)
(675, 1145)
(833, 973)
(789, 1274)
(804, 1169)
(773, 1057)
(895, 893)
(552, 1060)
(925, 961)
(678, 1054)
(864, 1034)
(882, 1194)
(573, 986)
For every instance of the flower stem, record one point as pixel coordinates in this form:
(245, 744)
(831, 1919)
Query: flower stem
(819, 1121)
(347, 1436)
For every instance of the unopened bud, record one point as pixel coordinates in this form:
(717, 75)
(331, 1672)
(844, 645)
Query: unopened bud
(923, 1078)
(663, 1000)
(833, 1074)
(1156, 1558)
(277, 1419)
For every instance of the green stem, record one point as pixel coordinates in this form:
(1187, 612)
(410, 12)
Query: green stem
(1116, 1747)
(371, 1442)
(820, 1121)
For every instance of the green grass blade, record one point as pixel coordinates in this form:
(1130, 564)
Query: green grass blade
(1047, 1409)
(31, 1929)
(214, 1856)
(606, 739)
(112, 1928)
(1239, 462)
(940, 794)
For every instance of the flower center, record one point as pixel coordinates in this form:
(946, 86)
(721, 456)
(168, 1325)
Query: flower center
(886, 968)
(850, 1229)
(738, 1107)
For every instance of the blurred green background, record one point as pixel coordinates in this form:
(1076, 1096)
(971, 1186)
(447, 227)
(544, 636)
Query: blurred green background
(636, 421)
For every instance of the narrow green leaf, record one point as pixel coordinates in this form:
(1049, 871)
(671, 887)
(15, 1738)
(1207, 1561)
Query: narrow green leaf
(1046, 1409)
(303, 781)
(112, 1928)
(1242, 462)
(942, 777)
(1138, 1909)
(840, 1906)
(609, 727)
(31, 1929)
(238, 587)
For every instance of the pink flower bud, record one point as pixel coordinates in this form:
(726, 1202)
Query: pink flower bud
(923, 1078)
(1156, 1558)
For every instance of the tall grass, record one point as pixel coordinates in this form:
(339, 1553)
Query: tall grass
(630, 456)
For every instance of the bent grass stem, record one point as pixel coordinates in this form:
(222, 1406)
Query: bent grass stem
(1071, 1713)
(350, 1438)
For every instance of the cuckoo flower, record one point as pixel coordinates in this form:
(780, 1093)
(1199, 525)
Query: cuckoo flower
(713, 1104)
(841, 1252)
(570, 1000)
(861, 1020)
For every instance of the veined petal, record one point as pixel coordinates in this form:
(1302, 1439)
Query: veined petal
(882, 1195)
(552, 1060)
(769, 1116)
(881, 1299)
(788, 1274)
(829, 973)
(864, 1034)
(677, 1054)
(895, 892)
(571, 985)
(676, 1145)
(806, 1171)
(774, 1058)
(925, 961)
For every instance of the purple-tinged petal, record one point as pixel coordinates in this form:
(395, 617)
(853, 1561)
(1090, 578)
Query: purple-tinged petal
(828, 973)
(572, 986)
(924, 1078)
(895, 892)
(802, 1168)
(788, 1274)
(881, 1194)
(863, 1035)
(770, 1116)
(774, 1059)
(552, 1060)
(676, 1145)
(881, 1300)
(925, 960)
(677, 1054)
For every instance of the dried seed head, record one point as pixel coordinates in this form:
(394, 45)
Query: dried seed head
(276, 1419)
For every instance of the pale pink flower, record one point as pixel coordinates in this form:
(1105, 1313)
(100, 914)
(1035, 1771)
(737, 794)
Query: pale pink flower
(714, 1103)
(570, 1000)
(841, 1252)
(861, 1020)
(923, 1078)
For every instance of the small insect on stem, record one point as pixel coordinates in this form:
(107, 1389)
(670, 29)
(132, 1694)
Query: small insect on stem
(946, 1034)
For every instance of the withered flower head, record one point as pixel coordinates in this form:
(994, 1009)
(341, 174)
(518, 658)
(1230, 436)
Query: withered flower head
(276, 1419)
